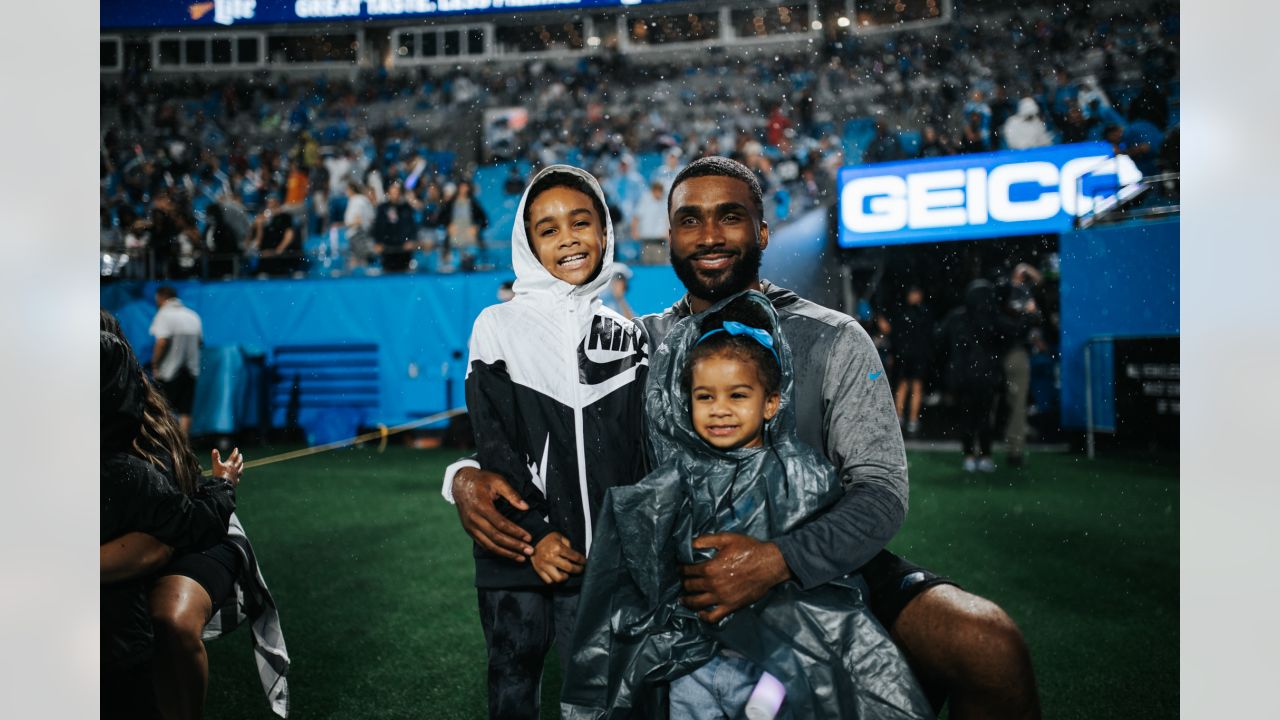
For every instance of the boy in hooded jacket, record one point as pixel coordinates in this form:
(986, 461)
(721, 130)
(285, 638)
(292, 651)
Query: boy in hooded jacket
(720, 416)
(554, 386)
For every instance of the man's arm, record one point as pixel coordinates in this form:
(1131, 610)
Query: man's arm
(864, 442)
(157, 354)
(131, 555)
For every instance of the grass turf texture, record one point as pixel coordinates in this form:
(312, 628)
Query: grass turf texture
(373, 577)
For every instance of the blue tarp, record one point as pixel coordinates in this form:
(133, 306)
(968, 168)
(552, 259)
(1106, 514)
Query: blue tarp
(1117, 280)
(417, 322)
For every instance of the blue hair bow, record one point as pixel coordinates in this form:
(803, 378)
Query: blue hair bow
(737, 328)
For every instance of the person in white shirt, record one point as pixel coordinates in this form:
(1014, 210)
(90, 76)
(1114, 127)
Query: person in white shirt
(1026, 129)
(175, 361)
(649, 225)
(358, 221)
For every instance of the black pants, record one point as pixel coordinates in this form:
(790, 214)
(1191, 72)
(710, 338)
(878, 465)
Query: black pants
(976, 403)
(519, 629)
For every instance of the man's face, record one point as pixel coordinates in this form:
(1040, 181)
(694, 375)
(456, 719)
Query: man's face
(717, 236)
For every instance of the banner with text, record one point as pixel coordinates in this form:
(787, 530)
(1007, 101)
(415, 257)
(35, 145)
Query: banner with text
(982, 195)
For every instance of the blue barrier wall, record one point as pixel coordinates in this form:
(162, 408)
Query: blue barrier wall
(416, 320)
(1116, 280)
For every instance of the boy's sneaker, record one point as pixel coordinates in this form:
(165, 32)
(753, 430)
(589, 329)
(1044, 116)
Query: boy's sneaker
(986, 465)
(970, 465)
(913, 428)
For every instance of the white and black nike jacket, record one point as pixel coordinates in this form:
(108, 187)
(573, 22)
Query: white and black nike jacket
(555, 386)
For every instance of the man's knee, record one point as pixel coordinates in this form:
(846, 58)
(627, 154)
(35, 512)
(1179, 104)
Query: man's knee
(958, 637)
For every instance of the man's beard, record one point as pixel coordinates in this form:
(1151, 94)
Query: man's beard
(743, 271)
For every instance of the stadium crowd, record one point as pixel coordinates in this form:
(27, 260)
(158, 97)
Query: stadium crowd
(263, 174)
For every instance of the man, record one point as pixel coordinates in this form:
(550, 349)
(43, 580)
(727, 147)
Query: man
(963, 648)
(357, 220)
(276, 239)
(395, 234)
(649, 225)
(1020, 305)
(175, 361)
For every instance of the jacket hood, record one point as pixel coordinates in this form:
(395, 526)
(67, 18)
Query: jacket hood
(666, 401)
(1027, 108)
(531, 276)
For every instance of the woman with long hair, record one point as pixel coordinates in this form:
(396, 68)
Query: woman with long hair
(190, 586)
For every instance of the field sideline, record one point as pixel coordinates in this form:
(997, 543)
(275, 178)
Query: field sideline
(373, 577)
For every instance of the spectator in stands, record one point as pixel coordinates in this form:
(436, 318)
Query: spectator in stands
(464, 221)
(1076, 127)
(649, 225)
(932, 144)
(221, 243)
(666, 172)
(358, 221)
(395, 234)
(175, 359)
(295, 188)
(625, 188)
(1141, 140)
(276, 240)
(974, 138)
(885, 147)
(1025, 129)
(913, 345)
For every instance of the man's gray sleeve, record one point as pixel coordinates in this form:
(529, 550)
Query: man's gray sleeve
(864, 442)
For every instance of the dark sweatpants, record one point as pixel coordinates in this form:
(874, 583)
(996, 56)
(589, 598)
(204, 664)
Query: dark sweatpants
(975, 424)
(519, 629)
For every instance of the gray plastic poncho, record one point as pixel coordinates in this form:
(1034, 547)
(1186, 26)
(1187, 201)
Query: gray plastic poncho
(633, 635)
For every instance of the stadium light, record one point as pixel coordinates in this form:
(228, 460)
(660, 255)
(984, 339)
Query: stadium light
(842, 22)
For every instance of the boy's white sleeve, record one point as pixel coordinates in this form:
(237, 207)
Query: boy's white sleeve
(446, 490)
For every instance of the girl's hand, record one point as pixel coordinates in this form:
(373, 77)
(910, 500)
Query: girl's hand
(232, 469)
(555, 560)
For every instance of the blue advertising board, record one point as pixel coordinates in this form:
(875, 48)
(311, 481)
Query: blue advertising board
(212, 14)
(983, 195)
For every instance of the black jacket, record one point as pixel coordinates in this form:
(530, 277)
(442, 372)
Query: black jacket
(136, 496)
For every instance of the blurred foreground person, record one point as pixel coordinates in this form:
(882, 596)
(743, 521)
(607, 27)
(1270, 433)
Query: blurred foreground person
(173, 547)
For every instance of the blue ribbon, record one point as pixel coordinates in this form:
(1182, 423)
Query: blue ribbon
(737, 328)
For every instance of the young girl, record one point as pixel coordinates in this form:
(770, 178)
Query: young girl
(718, 405)
(553, 390)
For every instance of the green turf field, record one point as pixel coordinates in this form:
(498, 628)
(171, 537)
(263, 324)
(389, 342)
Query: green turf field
(373, 577)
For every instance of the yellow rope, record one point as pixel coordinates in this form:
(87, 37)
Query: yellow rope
(383, 432)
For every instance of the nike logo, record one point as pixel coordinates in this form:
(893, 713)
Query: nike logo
(610, 338)
(874, 375)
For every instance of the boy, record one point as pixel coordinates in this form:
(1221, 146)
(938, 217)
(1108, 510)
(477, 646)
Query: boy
(554, 390)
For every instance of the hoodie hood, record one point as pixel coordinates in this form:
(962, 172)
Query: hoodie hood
(666, 401)
(1027, 108)
(531, 277)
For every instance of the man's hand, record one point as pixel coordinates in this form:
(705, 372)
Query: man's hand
(474, 493)
(554, 559)
(742, 571)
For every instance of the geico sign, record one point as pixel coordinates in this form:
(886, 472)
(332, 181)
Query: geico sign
(959, 197)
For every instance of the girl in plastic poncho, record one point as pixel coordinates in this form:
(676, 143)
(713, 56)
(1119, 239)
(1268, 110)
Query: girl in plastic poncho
(718, 405)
